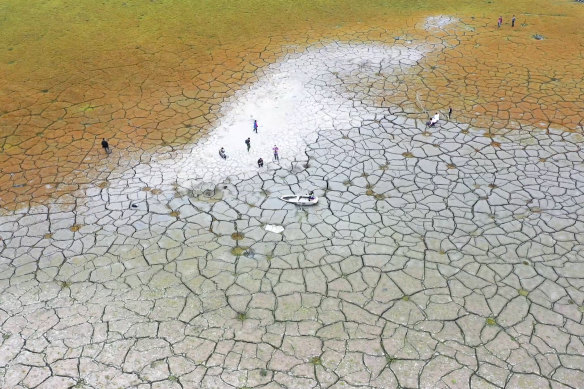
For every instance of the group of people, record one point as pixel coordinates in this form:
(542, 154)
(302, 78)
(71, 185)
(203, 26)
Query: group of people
(436, 118)
(500, 21)
(247, 142)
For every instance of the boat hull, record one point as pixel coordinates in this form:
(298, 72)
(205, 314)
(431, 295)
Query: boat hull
(299, 200)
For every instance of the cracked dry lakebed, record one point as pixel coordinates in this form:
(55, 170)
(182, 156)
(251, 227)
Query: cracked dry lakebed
(449, 256)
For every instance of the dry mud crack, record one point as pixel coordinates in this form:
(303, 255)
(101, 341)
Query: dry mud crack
(449, 256)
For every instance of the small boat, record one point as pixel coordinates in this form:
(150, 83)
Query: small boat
(300, 200)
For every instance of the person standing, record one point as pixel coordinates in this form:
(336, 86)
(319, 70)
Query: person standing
(105, 146)
(248, 143)
(276, 155)
(499, 22)
(222, 153)
(260, 162)
(449, 112)
(513, 21)
(255, 126)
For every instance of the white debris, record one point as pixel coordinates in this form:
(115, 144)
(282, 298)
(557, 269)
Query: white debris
(274, 228)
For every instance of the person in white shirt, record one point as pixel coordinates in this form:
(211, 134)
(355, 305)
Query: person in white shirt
(434, 120)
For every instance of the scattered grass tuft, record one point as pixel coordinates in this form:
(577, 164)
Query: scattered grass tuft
(523, 292)
(316, 361)
(241, 316)
(238, 250)
(80, 383)
(491, 321)
(237, 236)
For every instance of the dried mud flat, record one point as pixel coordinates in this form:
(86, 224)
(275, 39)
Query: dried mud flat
(449, 256)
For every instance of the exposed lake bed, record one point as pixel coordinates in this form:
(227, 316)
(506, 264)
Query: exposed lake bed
(448, 256)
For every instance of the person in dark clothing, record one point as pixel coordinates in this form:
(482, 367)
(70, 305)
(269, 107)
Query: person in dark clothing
(449, 112)
(105, 146)
(248, 143)
(222, 153)
(260, 162)
(513, 21)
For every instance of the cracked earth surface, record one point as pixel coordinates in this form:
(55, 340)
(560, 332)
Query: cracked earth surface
(436, 257)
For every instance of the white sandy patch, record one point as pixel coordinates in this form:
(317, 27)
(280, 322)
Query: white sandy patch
(294, 99)
(438, 22)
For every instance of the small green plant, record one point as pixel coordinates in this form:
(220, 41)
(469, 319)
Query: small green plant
(237, 236)
(263, 372)
(523, 292)
(491, 321)
(405, 298)
(238, 250)
(66, 284)
(80, 383)
(173, 378)
(6, 336)
(241, 316)
(389, 359)
(315, 361)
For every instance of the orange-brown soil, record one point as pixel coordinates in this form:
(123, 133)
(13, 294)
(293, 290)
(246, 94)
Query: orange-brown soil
(146, 94)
